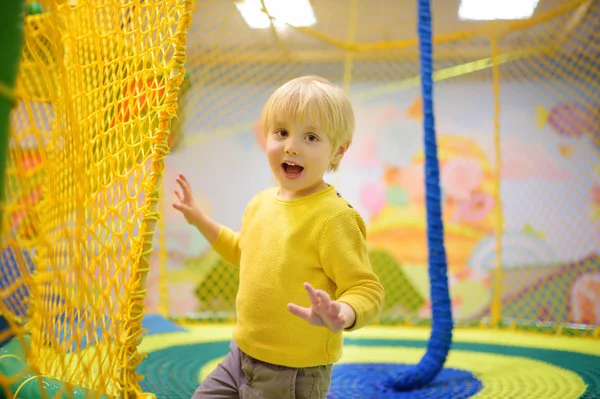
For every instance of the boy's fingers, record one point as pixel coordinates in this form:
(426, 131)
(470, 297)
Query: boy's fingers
(182, 181)
(183, 178)
(181, 206)
(324, 299)
(299, 311)
(334, 309)
(187, 191)
(323, 295)
(312, 295)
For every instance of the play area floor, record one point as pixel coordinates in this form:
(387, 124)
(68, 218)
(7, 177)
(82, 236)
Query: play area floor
(481, 364)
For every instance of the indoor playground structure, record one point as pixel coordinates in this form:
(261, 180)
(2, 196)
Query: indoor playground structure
(475, 164)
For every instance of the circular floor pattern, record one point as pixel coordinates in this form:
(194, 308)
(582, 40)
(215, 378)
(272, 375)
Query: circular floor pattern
(372, 380)
(177, 362)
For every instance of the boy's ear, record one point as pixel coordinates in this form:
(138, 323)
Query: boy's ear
(340, 153)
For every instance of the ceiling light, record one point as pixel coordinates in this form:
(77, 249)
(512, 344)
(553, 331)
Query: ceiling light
(487, 10)
(293, 12)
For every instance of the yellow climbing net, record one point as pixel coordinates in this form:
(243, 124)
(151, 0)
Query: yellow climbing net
(98, 90)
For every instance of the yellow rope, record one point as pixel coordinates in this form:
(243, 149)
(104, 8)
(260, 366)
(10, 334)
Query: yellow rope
(91, 137)
(129, 379)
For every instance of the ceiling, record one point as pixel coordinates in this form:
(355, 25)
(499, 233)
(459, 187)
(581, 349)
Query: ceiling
(217, 24)
(395, 19)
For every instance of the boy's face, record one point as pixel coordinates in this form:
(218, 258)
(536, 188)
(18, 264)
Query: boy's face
(299, 155)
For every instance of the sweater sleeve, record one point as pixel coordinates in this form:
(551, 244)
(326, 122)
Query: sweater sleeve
(227, 245)
(345, 260)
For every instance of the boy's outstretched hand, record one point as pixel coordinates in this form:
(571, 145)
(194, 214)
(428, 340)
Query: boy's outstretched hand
(187, 206)
(185, 201)
(324, 311)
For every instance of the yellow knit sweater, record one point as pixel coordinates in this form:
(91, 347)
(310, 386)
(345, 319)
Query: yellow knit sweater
(318, 239)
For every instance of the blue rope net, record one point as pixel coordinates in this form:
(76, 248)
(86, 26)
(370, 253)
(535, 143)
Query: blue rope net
(441, 334)
(404, 378)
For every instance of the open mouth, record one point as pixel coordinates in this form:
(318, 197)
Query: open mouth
(291, 170)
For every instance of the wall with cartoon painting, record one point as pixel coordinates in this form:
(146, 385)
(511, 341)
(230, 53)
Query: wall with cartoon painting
(548, 204)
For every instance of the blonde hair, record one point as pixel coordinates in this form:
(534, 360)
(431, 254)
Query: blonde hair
(312, 99)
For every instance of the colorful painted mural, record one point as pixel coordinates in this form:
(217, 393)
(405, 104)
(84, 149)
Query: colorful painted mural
(546, 208)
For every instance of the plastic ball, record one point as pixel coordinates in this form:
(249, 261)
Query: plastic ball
(34, 8)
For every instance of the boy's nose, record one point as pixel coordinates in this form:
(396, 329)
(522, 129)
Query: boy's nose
(290, 151)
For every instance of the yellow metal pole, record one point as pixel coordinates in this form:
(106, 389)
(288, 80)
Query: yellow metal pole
(349, 62)
(163, 296)
(349, 59)
(496, 305)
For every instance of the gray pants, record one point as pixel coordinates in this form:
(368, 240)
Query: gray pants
(241, 376)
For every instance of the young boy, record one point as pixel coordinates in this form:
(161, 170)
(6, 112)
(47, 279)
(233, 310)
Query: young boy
(305, 274)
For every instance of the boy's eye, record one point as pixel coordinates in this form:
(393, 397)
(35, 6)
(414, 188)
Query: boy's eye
(281, 133)
(312, 137)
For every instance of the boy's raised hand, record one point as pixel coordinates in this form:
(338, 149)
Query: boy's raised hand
(324, 311)
(185, 201)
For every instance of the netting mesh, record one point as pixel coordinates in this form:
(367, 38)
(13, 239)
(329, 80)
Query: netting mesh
(517, 116)
(98, 85)
(517, 121)
(553, 281)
